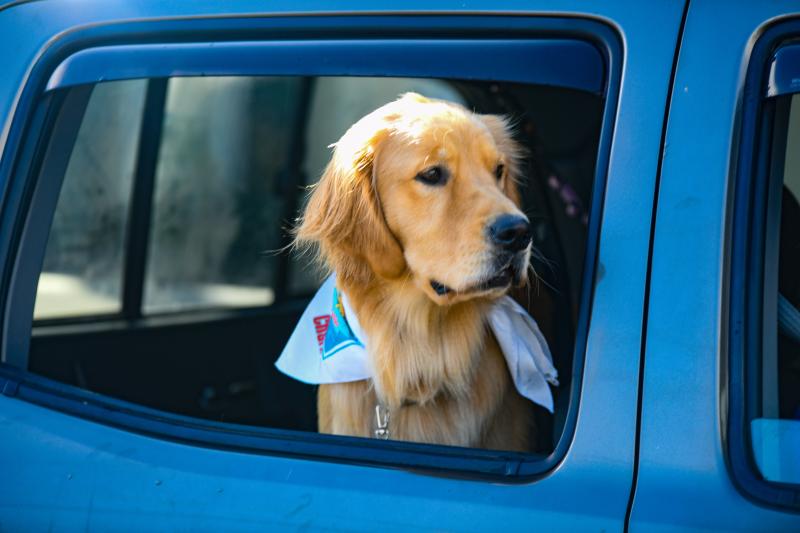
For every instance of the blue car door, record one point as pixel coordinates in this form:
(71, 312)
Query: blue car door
(75, 456)
(718, 435)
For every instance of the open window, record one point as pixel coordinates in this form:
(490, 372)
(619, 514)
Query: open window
(154, 279)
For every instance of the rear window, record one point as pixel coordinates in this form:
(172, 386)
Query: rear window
(776, 432)
(764, 419)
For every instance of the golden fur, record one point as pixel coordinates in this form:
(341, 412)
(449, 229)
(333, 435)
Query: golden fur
(436, 365)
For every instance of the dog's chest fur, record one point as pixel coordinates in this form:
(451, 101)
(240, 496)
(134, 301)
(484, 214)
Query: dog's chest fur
(438, 371)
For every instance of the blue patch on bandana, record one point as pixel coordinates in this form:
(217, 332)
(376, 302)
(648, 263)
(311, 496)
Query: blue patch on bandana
(338, 335)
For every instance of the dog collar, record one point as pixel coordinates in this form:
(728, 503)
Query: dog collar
(328, 345)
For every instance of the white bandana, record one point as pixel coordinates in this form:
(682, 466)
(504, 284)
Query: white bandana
(328, 345)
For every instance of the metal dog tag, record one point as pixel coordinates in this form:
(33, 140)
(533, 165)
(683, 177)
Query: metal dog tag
(381, 422)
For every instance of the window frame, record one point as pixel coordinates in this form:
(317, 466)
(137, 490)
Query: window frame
(753, 241)
(30, 137)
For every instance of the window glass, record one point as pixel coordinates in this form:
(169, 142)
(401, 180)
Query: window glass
(789, 272)
(82, 272)
(776, 433)
(216, 214)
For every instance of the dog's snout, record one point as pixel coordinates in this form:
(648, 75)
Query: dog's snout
(511, 232)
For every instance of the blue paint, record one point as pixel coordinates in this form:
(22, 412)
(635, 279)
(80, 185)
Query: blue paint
(685, 480)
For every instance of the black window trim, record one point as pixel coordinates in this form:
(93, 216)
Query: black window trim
(290, 181)
(137, 239)
(29, 127)
(759, 133)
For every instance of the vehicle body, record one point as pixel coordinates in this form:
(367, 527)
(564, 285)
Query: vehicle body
(647, 442)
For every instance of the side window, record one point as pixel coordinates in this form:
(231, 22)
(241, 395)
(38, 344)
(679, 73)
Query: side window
(83, 265)
(788, 345)
(789, 275)
(169, 280)
(764, 395)
(776, 433)
(217, 208)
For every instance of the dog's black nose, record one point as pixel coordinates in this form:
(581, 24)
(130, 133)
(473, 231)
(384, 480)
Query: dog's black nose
(512, 232)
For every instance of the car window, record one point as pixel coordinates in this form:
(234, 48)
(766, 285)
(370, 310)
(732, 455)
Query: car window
(217, 207)
(776, 432)
(82, 271)
(188, 248)
(789, 273)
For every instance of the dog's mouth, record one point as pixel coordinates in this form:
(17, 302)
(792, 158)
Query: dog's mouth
(501, 280)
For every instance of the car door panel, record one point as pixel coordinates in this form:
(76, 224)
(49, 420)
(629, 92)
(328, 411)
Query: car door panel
(682, 455)
(70, 472)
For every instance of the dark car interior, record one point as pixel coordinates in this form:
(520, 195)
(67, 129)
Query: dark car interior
(789, 288)
(214, 359)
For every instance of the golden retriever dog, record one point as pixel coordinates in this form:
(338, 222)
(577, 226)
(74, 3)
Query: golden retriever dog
(417, 213)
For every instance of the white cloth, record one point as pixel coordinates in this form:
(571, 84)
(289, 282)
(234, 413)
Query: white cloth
(328, 345)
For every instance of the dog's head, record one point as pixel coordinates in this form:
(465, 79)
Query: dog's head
(424, 189)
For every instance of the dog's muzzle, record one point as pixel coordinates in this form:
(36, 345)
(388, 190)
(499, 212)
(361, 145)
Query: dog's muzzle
(510, 236)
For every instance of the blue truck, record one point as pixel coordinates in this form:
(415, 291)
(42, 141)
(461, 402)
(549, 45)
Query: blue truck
(154, 153)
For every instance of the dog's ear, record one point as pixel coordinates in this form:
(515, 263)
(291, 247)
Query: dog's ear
(344, 217)
(500, 128)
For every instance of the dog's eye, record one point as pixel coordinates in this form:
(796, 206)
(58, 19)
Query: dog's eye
(432, 176)
(499, 171)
